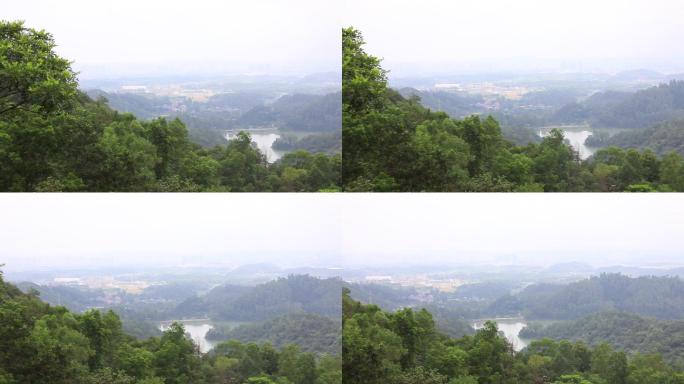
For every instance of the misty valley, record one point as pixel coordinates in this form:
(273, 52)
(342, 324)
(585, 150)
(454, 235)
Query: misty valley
(248, 132)
(162, 327)
(322, 163)
(508, 131)
(522, 324)
(635, 314)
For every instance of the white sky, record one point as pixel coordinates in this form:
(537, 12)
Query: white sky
(72, 230)
(439, 36)
(58, 230)
(535, 229)
(134, 37)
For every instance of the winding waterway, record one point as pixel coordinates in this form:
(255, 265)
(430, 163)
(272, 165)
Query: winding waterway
(510, 327)
(264, 139)
(576, 136)
(197, 329)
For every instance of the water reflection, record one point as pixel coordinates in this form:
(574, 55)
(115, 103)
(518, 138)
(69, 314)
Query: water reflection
(576, 137)
(264, 139)
(197, 330)
(510, 328)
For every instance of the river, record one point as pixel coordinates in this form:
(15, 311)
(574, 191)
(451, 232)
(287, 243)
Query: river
(577, 136)
(264, 139)
(197, 329)
(511, 328)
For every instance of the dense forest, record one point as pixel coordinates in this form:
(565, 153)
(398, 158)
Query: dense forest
(40, 343)
(207, 121)
(393, 143)
(661, 138)
(405, 347)
(569, 104)
(615, 109)
(55, 138)
(661, 297)
(330, 143)
(298, 113)
(311, 332)
(628, 332)
(299, 309)
(296, 293)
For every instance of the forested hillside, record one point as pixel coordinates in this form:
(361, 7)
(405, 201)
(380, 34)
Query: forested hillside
(661, 138)
(661, 297)
(207, 121)
(404, 347)
(298, 112)
(311, 332)
(627, 110)
(628, 332)
(55, 138)
(392, 143)
(296, 293)
(42, 344)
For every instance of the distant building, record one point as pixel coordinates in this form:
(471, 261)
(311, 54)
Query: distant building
(378, 278)
(134, 88)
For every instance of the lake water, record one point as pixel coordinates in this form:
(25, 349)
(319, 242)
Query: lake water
(264, 139)
(197, 329)
(510, 328)
(577, 138)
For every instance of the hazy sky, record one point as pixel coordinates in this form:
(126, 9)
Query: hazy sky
(489, 35)
(536, 229)
(339, 229)
(124, 37)
(170, 229)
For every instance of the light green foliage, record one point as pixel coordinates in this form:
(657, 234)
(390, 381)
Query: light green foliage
(32, 77)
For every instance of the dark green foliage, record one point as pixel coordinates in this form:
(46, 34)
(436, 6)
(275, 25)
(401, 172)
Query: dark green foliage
(311, 332)
(628, 332)
(330, 143)
(404, 347)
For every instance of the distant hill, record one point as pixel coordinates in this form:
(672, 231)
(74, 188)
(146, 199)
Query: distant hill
(661, 138)
(207, 121)
(661, 297)
(296, 293)
(625, 331)
(77, 299)
(641, 109)
(298, 112)
(311, 332)
(457, 104)
(386, 297)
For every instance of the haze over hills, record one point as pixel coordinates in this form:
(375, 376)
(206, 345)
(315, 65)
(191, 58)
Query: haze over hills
(213, 110)
(502, 136)
(44, 343)
(265, 309)
(508, 276)
(188, 88)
